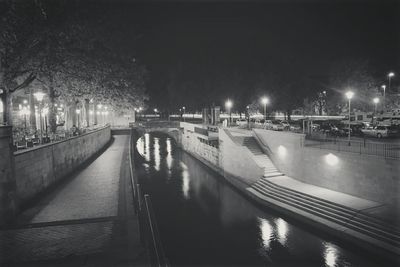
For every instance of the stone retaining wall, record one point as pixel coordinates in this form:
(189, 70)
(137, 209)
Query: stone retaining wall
(38, 168)
(229, 159)
(371, 177)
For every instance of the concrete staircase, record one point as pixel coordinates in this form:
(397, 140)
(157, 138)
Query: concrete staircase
(363, 227)
(260, 157)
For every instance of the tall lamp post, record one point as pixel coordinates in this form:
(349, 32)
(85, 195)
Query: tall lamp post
(155, 113)
(390, 75)
(24, 112)
(376, 101)
(78, 112)
(228, 106)
(265, 101)
(183, 115)
(39, 97)
(384, 96)
(349, 96)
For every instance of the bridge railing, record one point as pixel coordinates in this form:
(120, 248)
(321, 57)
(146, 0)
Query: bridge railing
(149, 234)
(158, 124)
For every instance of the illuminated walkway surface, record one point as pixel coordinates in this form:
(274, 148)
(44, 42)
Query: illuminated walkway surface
(376, 209)
(88, 220)
(92, 193)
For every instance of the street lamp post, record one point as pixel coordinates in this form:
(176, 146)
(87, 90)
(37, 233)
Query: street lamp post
(384, 96)
(349, 96)
(39, 97)
(155, 113)
(265, 101)
(78, 112)
(376, 101)
(183, 108)
(228, 105)
(390, 75)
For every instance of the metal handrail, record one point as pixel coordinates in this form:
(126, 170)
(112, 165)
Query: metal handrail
(354, 146)
(149, 234)
(158, 248)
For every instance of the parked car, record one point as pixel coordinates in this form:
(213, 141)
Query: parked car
(330, 129)
(380, 131)
(345, 131)
(259, 123)
(241, 122)
(286, 125)
(316, 127)
(295, 128)
(277, 126)
(268, 125)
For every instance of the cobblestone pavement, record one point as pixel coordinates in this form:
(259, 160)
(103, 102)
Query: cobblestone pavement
(88, 221)
(52, 242)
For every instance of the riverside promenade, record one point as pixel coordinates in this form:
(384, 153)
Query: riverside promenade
(371, 225)
(88, 220)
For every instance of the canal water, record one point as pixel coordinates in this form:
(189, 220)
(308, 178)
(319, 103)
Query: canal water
(203, 220)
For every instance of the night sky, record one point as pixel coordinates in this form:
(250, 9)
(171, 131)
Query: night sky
(204, 44)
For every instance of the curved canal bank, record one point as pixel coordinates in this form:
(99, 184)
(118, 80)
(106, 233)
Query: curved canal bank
(205, 221)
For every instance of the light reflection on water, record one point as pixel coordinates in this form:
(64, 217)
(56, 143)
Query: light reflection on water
(185, 181)
(266, 232)
(204, 221)
(156, 154)
(169, 158)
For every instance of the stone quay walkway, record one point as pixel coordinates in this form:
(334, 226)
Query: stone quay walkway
(89, 220)
(372, 225)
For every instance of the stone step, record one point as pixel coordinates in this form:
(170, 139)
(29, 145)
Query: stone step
(327, 220)
(272, 174)
(319, 201)
(340, 214)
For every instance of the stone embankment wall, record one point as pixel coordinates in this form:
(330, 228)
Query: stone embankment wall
(38, 168)
(371, 177)
(191, 143)
(229, 159)
(8, 206)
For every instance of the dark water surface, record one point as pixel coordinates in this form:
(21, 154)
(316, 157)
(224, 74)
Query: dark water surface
(204, 221)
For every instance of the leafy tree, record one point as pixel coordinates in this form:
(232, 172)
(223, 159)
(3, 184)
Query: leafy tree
(354, 75)
(18, 42)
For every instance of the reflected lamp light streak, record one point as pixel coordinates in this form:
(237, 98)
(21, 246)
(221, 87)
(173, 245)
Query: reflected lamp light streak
(330, 255)
(266, 232)
(169, 155)
(282, 230)
(185, 181)
(147, 147)
(157, 160)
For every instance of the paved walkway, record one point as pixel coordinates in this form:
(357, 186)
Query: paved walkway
(372, 225)
(87, 221)
(386, 213)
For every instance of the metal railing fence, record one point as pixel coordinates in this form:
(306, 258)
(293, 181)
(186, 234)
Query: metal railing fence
(149, 234)
(387, 150)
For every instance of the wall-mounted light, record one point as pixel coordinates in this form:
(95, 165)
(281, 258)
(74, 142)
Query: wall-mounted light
(282, 151)
(331, 159)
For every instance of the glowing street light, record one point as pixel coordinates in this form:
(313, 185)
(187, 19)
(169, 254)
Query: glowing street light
(349, 96)
(376, 101)
(228, 106)
(265, 101)
(390, 75)
(39, 97)
(183, 115)
(78, 112)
